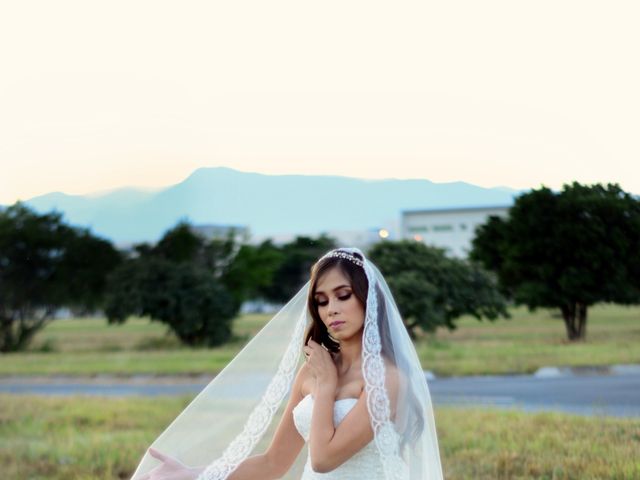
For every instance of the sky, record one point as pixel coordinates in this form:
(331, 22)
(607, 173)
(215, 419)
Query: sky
(100, 95)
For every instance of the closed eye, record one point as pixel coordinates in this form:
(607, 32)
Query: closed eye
(325, 302)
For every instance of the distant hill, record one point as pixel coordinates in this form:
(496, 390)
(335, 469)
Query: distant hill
(267, 204)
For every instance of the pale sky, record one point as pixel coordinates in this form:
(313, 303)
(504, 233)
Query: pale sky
(100, 95)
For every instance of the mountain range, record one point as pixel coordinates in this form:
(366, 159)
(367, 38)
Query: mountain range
(269, 205)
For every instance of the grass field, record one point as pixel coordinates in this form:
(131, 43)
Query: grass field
(528, 341)
(80, 438)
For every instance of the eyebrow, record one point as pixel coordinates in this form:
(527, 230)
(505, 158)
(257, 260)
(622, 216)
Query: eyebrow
(337, 288)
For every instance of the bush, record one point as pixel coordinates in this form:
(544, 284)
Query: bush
(186, 297)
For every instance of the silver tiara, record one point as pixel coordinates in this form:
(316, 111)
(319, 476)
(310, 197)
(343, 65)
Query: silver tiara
(348, 256)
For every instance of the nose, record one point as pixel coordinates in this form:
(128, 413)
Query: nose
(333, 307)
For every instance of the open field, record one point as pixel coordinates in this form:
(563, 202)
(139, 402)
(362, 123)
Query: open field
(80, 438)
(522, 344)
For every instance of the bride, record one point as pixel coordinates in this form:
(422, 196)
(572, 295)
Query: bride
(359, 402)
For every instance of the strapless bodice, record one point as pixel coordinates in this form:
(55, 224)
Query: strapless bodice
(363, 464)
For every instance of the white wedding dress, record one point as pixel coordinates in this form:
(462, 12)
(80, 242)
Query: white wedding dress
(365, 464)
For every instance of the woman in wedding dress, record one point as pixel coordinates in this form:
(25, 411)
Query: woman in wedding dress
(359, 400)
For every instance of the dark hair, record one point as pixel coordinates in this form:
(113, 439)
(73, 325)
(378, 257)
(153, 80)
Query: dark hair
(359, 285)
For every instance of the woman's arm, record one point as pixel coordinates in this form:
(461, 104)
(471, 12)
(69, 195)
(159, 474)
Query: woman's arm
(330, 447)
(322, 429)
(272, 464)
(285, 445)
(256, 466)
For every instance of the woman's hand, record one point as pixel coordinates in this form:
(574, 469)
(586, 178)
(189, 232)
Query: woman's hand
(321, 364)
(170, 469)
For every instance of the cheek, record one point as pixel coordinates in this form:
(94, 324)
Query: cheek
(356, 311)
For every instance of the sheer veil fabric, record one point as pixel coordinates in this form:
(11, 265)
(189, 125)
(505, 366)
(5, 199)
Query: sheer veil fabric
(227, 421)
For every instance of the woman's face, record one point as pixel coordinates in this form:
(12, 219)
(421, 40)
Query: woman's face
(338, 307)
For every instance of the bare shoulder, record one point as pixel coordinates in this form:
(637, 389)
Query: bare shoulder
(393, 379)
(392, 374)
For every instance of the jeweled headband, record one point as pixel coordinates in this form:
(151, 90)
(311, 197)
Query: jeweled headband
(347, 255)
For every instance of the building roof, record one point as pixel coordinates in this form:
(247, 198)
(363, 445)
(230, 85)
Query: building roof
(456, 209)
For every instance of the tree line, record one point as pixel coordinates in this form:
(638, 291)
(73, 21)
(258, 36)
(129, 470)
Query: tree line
(564, 250)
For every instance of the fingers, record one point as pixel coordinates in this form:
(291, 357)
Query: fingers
(308, 348)
(157, 454)
(313, 345)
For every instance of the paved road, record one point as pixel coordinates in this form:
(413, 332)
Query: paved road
(585, 394)
(594, 394)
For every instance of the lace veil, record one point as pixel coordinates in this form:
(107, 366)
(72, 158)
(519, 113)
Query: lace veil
(235, 415)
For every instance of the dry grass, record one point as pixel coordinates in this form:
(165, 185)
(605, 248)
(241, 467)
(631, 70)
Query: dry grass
(521, 345)
(73, 438)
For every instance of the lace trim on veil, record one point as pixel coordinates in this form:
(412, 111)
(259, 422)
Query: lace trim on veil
(373, 370)
(262, 414)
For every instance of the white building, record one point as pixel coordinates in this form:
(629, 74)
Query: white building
(449, 228)
(362, 239)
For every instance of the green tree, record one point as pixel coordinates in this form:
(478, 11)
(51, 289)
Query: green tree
(252, 270)
(182, 295)
(566, 250)
(192, 284)
(45, 265)
(180, 244)
(433, 290)
(294, 270)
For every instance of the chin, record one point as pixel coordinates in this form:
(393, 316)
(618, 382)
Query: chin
(343, 336)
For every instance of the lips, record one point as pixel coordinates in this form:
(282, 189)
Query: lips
(336, 323)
